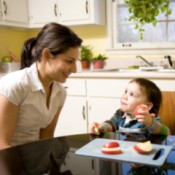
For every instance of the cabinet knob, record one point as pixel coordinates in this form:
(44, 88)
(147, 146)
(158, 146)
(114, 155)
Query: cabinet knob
(5, 7)
(86, 7)
(83, 113)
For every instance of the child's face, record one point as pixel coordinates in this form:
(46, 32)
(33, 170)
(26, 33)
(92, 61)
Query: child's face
(133, 96)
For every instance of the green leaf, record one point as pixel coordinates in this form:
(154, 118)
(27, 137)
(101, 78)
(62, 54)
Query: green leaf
(146, 11)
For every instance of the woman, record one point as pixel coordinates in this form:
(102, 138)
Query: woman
(32, 98)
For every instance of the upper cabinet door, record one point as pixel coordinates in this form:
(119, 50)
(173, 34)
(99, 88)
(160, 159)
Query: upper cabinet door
(77, 12)
(1, 11)
(42, 12)
(80, 11)
(15, 11)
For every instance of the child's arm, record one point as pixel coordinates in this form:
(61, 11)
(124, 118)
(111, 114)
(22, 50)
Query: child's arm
(159, 128)
(107, 126)
(102, 128)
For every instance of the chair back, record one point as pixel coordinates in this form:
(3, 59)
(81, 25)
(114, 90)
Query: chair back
(167, 110)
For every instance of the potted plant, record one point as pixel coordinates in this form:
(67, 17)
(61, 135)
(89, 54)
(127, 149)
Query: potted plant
(98, 61)
(146, 11)
(86, 56)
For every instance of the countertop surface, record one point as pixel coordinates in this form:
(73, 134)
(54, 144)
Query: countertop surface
(124, 74)
(120, 74)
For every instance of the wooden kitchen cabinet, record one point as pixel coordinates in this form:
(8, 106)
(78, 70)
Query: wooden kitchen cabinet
(101, 109)
(28, 13)
(14, 13)
(89, 100)
(42, 12)
(73, 118)
(35, 14)
(1, 11)
(78, 12)
(86, 165)
(104, 98)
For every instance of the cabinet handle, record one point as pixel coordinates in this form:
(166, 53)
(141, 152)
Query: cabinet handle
(5, 7)
(86, 6)
(92, 164)
(83, 113)
(55, 9)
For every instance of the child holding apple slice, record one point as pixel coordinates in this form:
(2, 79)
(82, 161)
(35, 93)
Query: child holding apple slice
(138, 113)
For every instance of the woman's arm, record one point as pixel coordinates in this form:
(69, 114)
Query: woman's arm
(48, 132)
(8, 121)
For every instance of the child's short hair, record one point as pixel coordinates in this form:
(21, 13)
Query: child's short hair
(153, 93)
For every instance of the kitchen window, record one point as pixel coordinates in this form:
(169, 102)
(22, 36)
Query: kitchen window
(123, 37)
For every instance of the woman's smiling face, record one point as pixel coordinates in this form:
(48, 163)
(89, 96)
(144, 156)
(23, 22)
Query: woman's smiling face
(61, 66)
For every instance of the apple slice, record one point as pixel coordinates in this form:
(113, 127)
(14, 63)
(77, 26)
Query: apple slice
(138, 107)
(143, 148)
(97, 131)
(111, 148)
(116, 150)
(111, 145)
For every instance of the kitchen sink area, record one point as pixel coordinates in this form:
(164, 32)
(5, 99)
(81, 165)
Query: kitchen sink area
(140, 69)
(139, 64)
(167, 70)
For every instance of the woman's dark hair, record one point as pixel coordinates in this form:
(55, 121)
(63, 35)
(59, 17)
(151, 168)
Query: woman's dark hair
(57, 38)
(153, 93)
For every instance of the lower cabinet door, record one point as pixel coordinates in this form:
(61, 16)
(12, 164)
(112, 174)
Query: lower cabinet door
(79, 165)
(73, 117)
(101, 109)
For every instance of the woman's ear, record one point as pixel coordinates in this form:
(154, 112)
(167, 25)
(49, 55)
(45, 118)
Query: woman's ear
(46, 53)
(150, 105)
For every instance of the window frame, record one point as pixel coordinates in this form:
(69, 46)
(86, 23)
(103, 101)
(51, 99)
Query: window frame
(124, 48)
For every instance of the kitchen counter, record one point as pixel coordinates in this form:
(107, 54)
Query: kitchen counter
(120, 74)
(36, 157)
(124, 74)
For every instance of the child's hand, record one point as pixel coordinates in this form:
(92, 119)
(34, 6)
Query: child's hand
(143, 116)
(95, 128)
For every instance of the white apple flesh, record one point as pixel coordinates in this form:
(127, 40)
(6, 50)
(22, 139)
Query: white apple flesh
(111, 148)
(143, 148)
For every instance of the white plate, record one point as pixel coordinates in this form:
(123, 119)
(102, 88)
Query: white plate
(105, 70)
(167, 70)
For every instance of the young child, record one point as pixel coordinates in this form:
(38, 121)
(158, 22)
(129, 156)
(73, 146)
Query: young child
(138, 113)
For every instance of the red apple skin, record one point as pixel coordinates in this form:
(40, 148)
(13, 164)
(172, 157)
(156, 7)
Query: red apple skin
(111, 145)
(111, 148)
(138, 107)
(116, 150)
